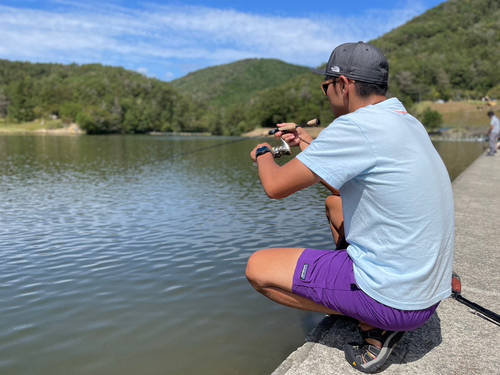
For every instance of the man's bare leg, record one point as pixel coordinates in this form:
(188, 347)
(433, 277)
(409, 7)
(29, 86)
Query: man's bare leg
(271, 273)
(335, 215)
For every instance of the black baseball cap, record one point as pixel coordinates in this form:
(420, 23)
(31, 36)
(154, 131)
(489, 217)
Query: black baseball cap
(357, 61)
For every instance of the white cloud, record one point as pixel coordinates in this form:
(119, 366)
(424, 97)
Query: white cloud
(143, 71)
(169, 76)
(194, 35)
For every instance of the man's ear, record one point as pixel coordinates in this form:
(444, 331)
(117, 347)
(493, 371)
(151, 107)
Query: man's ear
(344, 84)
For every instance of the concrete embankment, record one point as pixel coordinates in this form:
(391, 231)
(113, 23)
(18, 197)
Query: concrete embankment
(455, 340)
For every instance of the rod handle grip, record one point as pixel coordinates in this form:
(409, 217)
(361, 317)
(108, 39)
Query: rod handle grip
(284, 129)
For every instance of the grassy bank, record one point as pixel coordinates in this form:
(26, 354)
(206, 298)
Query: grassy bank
(39, 127)
(23, 127)
(468, 117)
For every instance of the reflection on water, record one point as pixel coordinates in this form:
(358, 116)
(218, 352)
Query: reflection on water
(117, 257)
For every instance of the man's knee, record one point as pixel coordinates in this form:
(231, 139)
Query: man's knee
(273, 268)
(333, 204)
(252, 271)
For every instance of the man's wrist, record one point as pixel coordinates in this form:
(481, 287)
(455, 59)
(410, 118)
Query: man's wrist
(305, 143)
(262, 151)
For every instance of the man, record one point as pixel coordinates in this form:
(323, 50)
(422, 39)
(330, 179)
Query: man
(493, 133)
(395, 207)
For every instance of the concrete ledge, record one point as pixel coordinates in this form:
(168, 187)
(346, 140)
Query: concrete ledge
(455, 340)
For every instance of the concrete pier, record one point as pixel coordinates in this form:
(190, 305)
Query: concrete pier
(455, 340)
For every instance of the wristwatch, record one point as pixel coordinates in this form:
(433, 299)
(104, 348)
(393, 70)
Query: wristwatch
(261, 151)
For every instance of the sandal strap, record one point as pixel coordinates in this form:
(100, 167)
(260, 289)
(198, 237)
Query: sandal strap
(364, 354)
(367, 357)
(375, 334)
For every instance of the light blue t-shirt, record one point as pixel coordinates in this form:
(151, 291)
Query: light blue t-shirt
(398, 203)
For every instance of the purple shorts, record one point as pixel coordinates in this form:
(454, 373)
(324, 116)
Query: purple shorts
(327, 278)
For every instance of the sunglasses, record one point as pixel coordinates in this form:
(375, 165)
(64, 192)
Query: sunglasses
(326, 84)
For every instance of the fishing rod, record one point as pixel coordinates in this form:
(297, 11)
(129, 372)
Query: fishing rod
(278, 151)
(213, 146)
(285, 149)
(456, 289)
(292, 127)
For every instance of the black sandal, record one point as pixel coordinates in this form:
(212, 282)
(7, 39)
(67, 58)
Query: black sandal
(368, 358)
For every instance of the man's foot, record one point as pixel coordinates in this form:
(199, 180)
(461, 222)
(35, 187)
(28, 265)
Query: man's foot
(370, 356)
(490, 154)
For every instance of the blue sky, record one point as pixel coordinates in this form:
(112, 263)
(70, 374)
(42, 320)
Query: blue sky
(169, 39)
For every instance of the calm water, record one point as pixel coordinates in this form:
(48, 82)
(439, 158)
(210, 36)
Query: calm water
(119, 258)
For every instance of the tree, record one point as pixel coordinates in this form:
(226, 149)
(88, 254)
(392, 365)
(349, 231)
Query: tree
(431, 119)
(4, 104)
(21, 107)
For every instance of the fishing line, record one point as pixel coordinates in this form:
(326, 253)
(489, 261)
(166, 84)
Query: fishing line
(285, 129)
(213, 146)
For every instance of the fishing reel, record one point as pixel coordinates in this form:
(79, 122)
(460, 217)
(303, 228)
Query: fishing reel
(282, 150)
(279, 151)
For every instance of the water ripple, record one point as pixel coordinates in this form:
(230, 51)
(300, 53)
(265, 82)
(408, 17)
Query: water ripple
(119, 259)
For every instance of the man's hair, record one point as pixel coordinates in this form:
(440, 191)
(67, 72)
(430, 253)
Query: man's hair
(365, 89)
(490, 113)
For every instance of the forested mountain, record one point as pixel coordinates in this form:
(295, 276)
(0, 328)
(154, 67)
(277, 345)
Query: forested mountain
(450, 52)
(228, 84)
(101, 99)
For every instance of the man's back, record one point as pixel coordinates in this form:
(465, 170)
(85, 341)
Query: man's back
(397, 203)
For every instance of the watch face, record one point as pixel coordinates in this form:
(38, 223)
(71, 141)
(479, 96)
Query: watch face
(262, 150)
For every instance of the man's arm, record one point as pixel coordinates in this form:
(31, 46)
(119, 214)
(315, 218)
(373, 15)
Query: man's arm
(281, 182)
(302, 139)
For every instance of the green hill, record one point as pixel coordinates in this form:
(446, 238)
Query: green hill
(101, 99)
(237, 82)
(449, 52)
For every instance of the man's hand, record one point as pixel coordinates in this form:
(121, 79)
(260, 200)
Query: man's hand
(295, 137)
(252, 154)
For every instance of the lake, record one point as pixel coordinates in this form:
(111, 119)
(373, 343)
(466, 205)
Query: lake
(127, 255)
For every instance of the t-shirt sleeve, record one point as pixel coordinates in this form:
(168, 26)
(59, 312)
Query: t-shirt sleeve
(340, 153)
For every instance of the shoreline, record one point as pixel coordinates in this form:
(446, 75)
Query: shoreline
(74, 129)
(22, 129)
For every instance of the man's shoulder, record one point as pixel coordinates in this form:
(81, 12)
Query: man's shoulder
(390, 104)
(381, 110)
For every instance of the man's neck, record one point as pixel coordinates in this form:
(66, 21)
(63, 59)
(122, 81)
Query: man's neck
(356, 102)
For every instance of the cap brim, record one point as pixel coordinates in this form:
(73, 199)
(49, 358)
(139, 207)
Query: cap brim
(320, 72)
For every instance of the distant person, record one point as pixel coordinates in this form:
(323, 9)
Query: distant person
(395, 207)
(493, 133)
